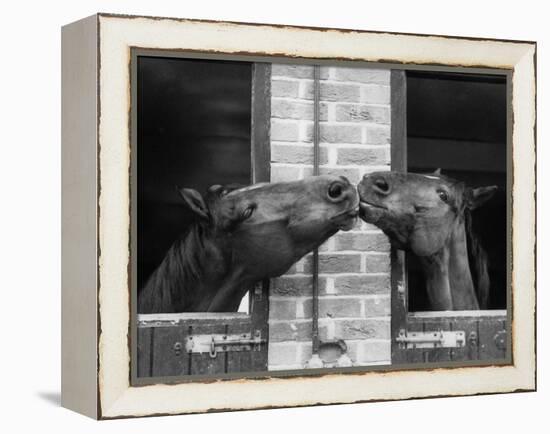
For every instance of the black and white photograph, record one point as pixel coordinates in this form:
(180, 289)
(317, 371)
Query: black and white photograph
(293, 217)
(275, 217)
(258, 216)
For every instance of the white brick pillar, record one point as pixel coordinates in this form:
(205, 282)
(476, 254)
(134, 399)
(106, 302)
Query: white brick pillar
(354, 267)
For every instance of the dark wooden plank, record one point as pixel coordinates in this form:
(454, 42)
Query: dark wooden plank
(471, 350)
(398, 81)
(261, 122)
(437, 354)
(239, 361)
(491, 330)
(144, 352)
(167, 360)
(230, 361)
(479, 328)
(203, 363)
(415, 355)
(167, 336)
(507, 326)
(256, 360)
(398, 86)
(261, 172)
(259, 311)
(398, 305)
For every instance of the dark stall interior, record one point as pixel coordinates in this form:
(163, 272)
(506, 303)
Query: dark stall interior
(457, 122)
(193, 130)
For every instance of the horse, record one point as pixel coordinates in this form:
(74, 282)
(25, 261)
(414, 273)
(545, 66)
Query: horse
(242, 235)
(430, 215)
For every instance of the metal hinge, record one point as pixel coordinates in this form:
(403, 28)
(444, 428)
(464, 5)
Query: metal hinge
(220, 343)
(435, 339)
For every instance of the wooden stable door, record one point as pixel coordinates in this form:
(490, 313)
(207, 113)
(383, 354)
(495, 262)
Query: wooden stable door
(450, 336)
(457, 336)
(171, 345)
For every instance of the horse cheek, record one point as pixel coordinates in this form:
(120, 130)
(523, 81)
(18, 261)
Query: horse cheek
(266, 254)
(422, 243)
(427, 242)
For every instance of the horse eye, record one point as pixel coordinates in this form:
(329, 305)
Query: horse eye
(335, 191)
(443, 195)
(247, 213)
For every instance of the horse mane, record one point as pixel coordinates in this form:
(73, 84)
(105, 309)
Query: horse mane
(169, 288)
(478, 261)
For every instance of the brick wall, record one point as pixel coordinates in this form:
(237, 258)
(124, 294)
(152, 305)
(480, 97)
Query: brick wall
(354, 267)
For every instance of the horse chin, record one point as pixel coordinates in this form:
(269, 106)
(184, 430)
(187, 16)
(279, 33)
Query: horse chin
(346, 220)
(348, 224)
(370, 212)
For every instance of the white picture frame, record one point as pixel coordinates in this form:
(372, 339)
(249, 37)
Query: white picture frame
(96, 219)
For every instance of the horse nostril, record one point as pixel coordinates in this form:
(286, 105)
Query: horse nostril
(335, 190)
(381, 186)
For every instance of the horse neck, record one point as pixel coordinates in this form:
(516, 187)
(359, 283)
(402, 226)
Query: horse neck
(460, 275)
(448, 276)
(169, 287)
(436, 271)
(478, 263)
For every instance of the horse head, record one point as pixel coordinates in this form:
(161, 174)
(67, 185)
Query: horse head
(425, 214)
(417, 212)
(243, 235)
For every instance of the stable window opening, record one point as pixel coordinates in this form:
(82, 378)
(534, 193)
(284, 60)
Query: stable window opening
(458, 123)
(193, 131)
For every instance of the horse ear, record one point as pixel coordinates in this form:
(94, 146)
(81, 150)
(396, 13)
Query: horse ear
(194, 201)
(478, 196)
(437, 171)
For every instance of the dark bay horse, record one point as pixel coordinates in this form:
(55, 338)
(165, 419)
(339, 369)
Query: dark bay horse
(430, 216)
(243, 235)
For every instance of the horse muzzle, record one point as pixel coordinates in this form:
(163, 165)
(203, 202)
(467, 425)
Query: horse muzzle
(346, 219)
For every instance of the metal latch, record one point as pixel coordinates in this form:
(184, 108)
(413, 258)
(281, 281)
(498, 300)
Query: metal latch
(220, 343)
(435, 339)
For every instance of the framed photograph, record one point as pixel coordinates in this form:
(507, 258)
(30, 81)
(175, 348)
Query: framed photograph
(268, 216)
